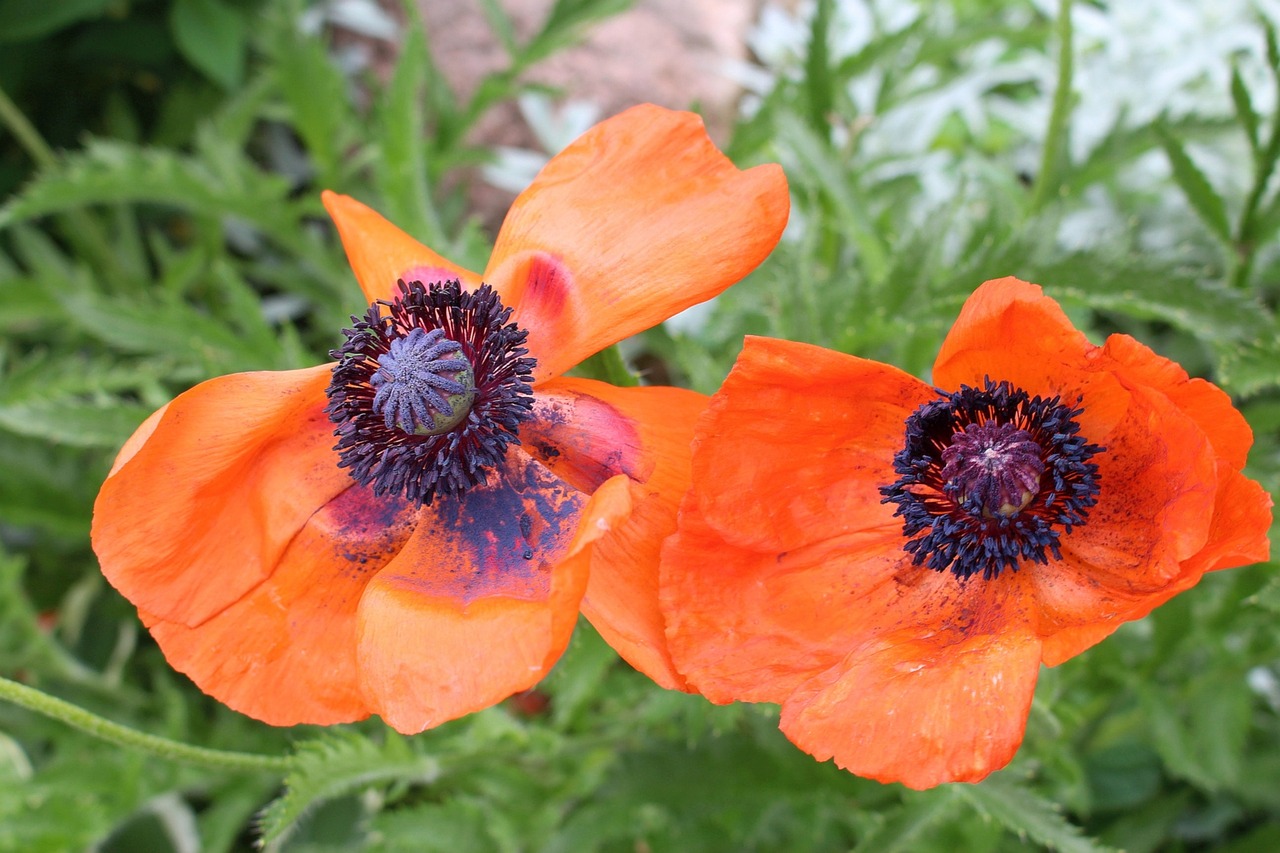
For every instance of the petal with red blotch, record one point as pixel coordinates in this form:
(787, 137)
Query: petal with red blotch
(581, 437)
(482, 600)
(285, 653)
(931, 703)
(381, 254)
(808, 436)
(1205, 403)
(639, 218)
(587, 430)
(203, 509)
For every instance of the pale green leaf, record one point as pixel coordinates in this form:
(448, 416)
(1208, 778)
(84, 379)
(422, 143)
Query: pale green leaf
(1196, 187)
(1026, 814)
(333, 765)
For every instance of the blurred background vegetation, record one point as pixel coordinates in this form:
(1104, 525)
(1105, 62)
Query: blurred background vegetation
(160, 169)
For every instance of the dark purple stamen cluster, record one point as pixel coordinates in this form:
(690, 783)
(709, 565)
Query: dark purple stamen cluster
(434, 358)
(989, 477)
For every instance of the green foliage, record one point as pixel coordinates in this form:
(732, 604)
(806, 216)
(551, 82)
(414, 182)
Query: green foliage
(171, 231)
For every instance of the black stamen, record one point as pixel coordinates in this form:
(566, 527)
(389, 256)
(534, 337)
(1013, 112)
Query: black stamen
(991, 477)
(427, 397)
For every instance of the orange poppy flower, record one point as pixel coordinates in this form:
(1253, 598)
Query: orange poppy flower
(893, 562)
(434, 562)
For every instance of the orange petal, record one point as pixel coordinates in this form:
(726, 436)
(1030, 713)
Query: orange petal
(1004, 324)
(636, 220)
(916, 711)
(202, 509)
(798, 441)
(381, 254)
(644, 432)
(482, 600)
(285, 653)
(1157, 483)
(1009, 330)
(1238, 535)
(753, 625)
(1205, 403)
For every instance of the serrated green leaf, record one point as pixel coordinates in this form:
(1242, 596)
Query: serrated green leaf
(316, 93)
(109, 172)
(1027, 815)
(212, 36)
(1200, 731)
(333, 765)
(1251, 368)
(905, 827)
(1206, 202)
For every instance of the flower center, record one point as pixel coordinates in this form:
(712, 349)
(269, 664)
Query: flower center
(992, 467)
(989, 477)
(412, 379)
(427, 397)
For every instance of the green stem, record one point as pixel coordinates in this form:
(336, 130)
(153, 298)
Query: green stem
(25, 133)
(85, 721)
(1047, 182)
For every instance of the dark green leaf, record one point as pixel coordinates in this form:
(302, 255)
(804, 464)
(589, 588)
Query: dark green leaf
(31, 19)
(213, 38)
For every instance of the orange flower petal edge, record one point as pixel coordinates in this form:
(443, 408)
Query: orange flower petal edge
(206, 496)
(639, 218)
(381, 254)
(1053, 490)
(297, 630)
(649, 430)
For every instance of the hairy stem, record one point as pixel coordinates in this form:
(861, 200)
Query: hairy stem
(99, 727)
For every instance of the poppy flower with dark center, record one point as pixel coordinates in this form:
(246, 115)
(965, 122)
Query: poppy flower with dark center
(893, 562)
(412, 530)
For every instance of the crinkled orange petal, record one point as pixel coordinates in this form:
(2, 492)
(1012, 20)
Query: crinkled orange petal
(1157, 484)
(1205, 403)
(381, 254)
(1077, 612)
(587, 429)
(639, 218)
(285, 653)
(924, 710)
(482, 599)
(753, 625)
(1242, 520)
(1009, 330)
(582, 437)
(797, 443)
(203, 509)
